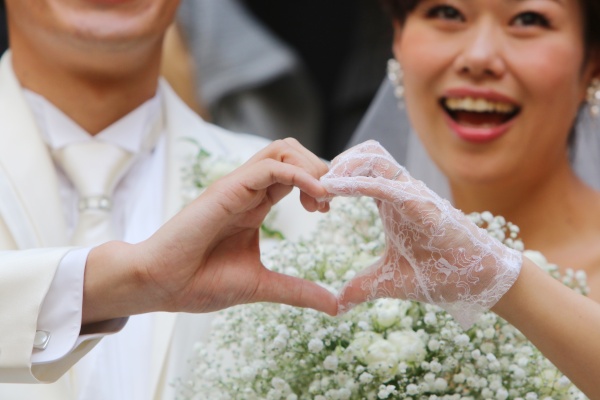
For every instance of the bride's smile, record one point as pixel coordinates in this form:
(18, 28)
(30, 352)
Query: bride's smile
(477, 115)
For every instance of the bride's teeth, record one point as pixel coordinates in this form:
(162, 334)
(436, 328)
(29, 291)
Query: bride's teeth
(504, 108)
(478, 105)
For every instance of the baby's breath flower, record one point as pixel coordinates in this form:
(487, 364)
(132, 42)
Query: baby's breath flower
(386, 391)
(331, 363)
(315, 345)
(365, 378)
(408, 346)
(385, 349)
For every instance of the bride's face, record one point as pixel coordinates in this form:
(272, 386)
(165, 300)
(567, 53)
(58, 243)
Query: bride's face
(493, 87)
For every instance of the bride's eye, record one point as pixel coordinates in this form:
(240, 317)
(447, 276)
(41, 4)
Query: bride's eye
(530, 18)
(445, 12)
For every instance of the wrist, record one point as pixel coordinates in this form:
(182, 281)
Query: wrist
(112, 283)
(517, 295)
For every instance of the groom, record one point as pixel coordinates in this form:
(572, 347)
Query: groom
(81, 75)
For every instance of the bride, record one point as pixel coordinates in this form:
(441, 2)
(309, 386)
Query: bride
(493, 90)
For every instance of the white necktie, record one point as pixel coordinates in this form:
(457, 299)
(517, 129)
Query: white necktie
(94, 168)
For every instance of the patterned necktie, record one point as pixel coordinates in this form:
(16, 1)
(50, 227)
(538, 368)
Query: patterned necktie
(94, 168)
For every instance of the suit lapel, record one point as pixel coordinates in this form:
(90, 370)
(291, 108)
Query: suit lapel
(32, 208)
(183, 124)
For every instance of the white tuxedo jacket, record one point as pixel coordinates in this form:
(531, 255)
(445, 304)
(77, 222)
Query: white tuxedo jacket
(33, 238)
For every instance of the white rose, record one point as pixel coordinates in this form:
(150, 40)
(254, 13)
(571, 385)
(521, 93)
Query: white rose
(409, 346)
(381, 358)
(387, 312)
(381, 351)
(217, 169)
(360, 345)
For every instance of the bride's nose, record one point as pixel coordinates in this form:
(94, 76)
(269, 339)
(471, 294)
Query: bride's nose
(480, 55)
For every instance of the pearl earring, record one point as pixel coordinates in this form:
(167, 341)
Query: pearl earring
(396, 75)
(593, 97)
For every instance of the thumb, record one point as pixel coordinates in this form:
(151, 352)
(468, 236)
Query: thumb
(280, 288)
(366, 286)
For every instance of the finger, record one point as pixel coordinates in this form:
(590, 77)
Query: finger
(368, 147)
(378, 189)
(402, 188)
(365, 164)
(290, 151)
(320, 166)
(314, 204)
(268, 173)
(363, 287)
(279, 288)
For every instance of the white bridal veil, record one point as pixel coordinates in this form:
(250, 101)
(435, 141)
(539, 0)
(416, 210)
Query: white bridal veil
(390, 126)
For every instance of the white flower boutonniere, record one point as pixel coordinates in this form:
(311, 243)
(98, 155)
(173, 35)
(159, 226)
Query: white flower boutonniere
(203, 169)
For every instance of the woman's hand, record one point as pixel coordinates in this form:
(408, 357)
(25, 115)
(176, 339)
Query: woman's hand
(433, 254)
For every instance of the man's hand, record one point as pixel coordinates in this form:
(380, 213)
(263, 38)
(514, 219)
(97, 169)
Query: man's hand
(207, 257)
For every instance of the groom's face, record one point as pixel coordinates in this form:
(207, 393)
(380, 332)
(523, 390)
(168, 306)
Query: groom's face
(88, 25)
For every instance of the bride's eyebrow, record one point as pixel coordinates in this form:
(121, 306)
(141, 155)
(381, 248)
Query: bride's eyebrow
(559, 2)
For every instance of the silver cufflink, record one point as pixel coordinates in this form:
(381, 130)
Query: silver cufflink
(41, 339)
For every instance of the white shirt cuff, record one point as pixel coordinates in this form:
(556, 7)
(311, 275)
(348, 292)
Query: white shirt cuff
(60, 313)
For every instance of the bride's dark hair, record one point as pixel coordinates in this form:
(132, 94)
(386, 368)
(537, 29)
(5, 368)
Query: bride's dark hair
(400, 9)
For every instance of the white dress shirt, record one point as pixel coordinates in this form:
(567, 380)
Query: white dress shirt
(118, 366)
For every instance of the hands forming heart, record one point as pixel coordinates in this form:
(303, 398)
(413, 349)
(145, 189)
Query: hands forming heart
(433, 254)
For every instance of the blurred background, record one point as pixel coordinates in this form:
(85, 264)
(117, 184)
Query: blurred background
(302, 68)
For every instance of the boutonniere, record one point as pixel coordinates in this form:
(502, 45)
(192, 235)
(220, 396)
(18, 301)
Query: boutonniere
(204, 168)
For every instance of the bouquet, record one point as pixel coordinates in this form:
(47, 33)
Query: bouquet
(385, 349)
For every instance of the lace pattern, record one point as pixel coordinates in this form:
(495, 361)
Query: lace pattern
(434, 253)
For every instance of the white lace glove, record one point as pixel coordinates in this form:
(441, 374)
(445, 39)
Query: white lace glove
(433, 254)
